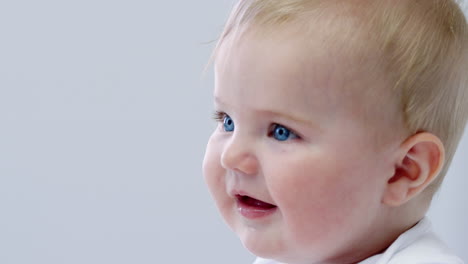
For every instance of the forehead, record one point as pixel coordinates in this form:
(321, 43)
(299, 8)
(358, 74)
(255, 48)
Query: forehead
(286, 70)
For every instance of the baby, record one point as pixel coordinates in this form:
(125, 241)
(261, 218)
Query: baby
(337, 121)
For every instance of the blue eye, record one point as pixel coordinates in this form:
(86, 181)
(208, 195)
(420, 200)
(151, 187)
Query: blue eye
(281, 133)
(228, 124)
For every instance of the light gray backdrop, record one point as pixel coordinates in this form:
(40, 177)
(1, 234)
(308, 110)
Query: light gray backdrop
(103, 123)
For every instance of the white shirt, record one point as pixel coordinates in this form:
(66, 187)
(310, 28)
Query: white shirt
(418, 245)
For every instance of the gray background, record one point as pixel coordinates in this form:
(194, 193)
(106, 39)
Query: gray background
(104, 118)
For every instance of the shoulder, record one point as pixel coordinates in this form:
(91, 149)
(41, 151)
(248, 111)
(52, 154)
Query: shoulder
(429, 249)
(265, 261)
(422, 246)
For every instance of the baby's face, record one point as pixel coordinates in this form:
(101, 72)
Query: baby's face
(291, 164)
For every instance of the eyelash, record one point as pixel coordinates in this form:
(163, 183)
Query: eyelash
(219, 116)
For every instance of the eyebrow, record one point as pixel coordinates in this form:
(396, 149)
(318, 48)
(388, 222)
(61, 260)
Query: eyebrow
(275, 113)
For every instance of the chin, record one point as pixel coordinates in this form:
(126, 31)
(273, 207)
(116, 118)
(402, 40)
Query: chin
(264, 248)
(282, 253)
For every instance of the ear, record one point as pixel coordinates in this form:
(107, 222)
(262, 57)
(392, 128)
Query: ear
(420, 159)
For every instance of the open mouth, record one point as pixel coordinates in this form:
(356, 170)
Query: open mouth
(252, 208)
(249, 201)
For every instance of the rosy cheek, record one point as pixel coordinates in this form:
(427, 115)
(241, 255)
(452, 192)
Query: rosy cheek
(212, 169)
(312, 199)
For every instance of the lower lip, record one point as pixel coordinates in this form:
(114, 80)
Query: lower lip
(252, 212)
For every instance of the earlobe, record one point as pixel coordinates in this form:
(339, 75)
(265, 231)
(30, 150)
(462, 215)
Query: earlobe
(421, 159)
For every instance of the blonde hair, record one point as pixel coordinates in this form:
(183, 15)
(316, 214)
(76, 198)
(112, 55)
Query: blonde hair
(423, 46)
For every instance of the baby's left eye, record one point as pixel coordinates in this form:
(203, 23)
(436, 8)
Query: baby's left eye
(282, 133)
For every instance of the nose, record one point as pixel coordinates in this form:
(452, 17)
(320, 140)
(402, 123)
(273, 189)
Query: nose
(238, 155)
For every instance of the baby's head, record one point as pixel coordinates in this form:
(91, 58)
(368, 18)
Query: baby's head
(337, 122)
